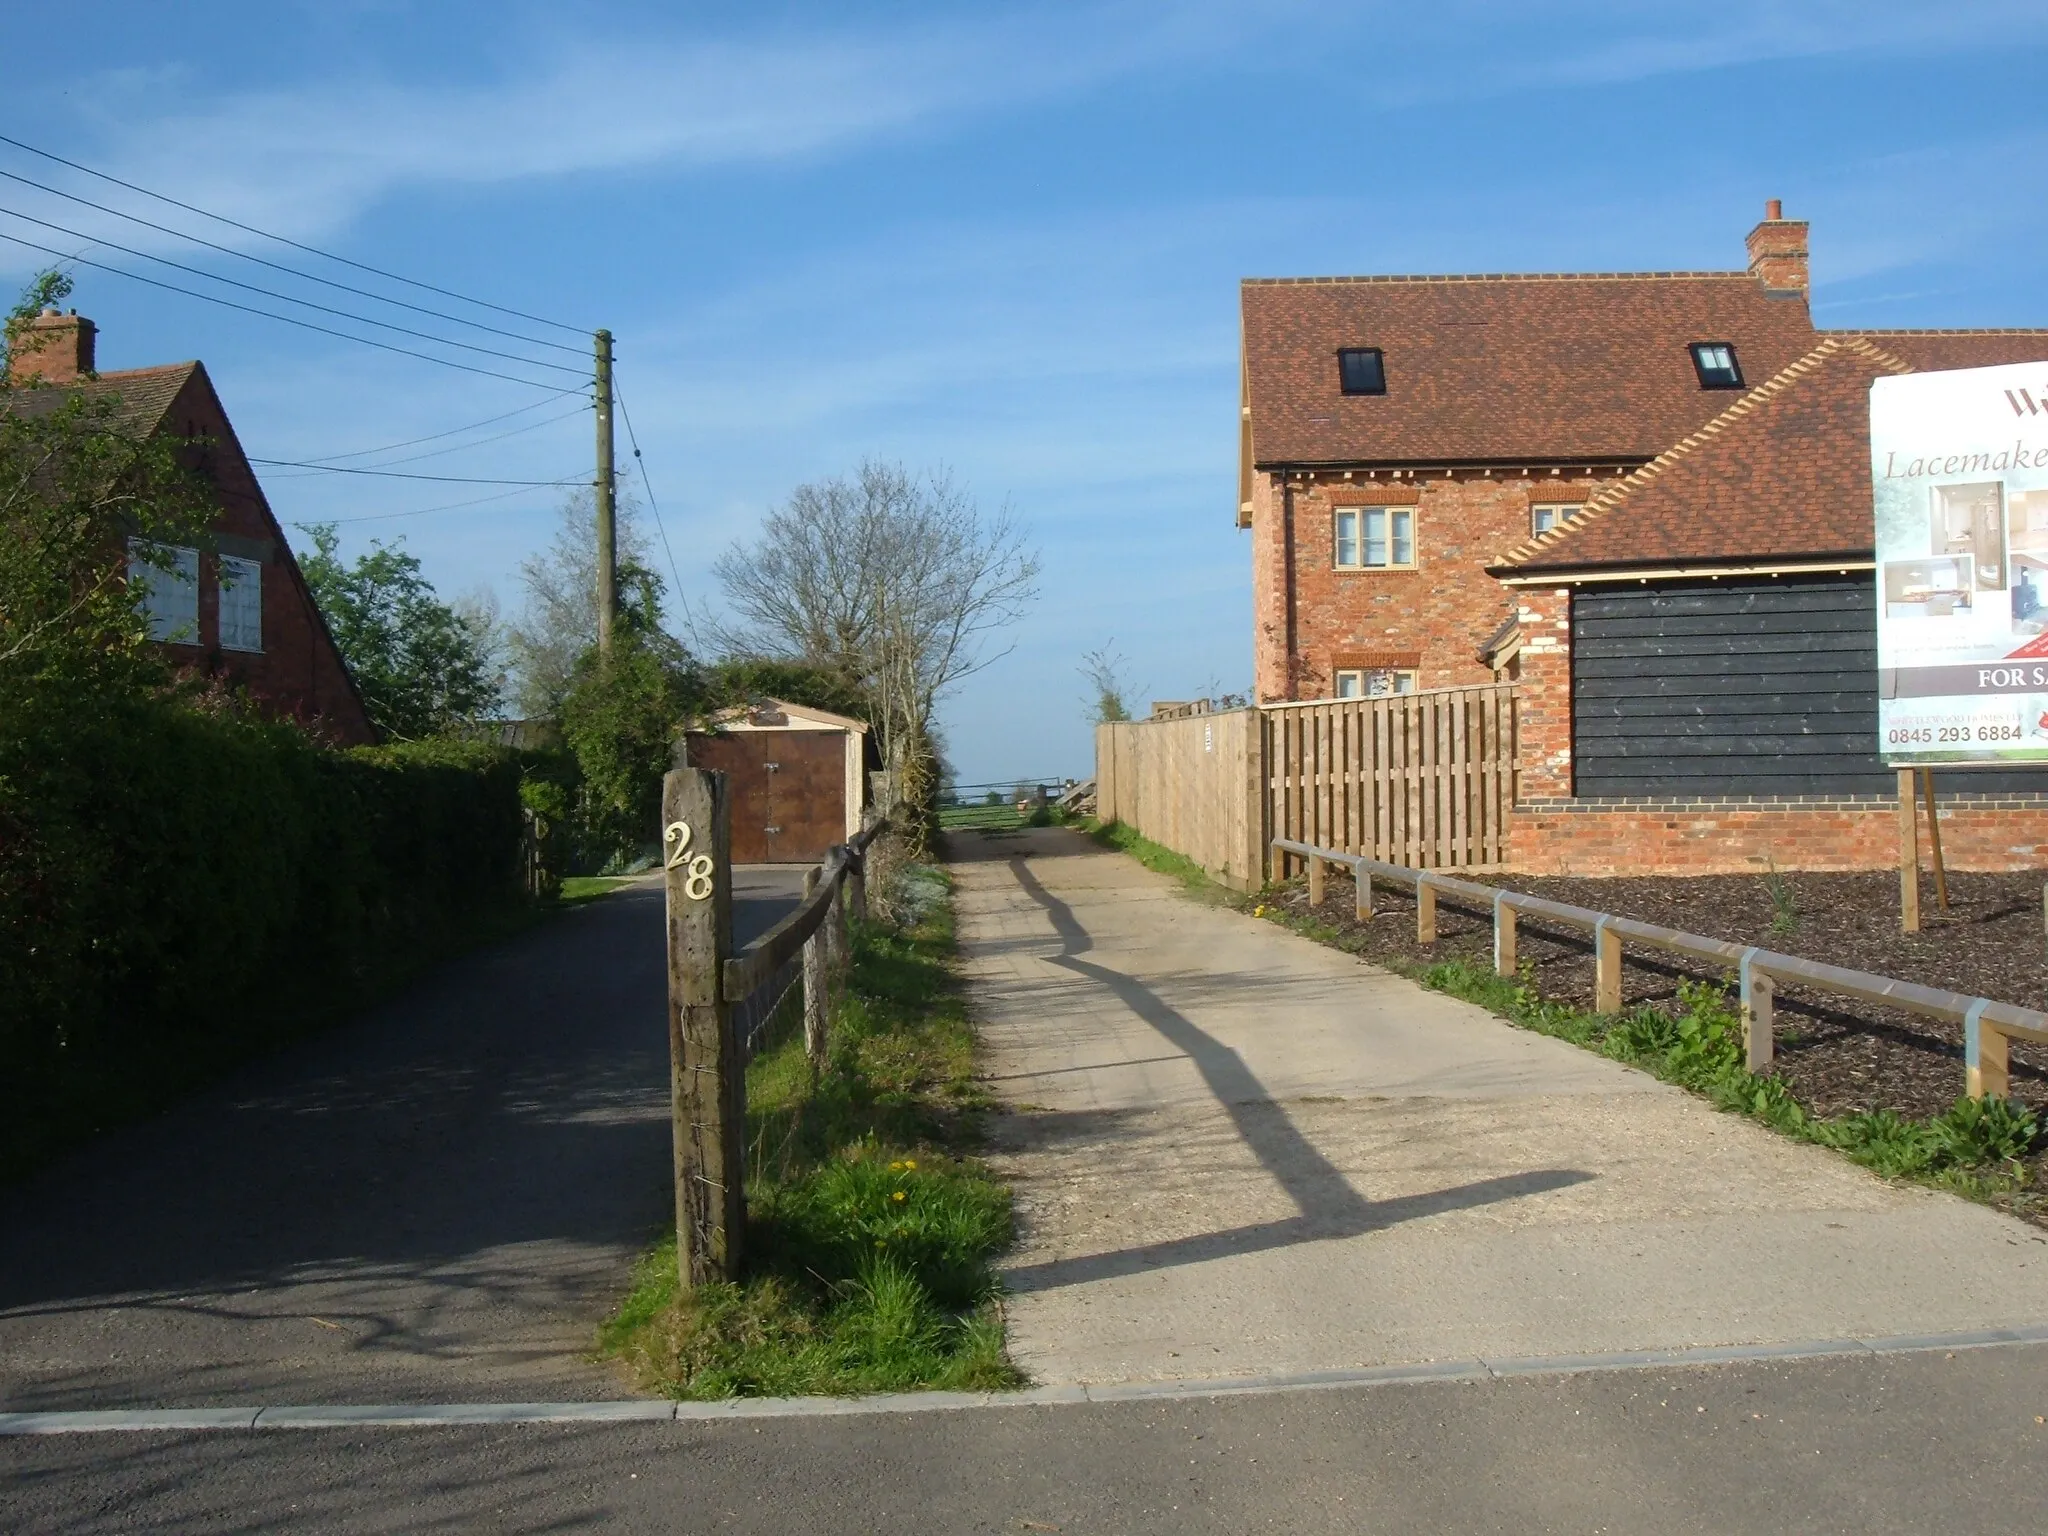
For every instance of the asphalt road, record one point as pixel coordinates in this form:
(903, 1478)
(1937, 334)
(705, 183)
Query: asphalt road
(438, 1201)
(1904, 1443)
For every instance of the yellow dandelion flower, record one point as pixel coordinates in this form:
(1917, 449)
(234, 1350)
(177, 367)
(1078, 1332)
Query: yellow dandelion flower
(899, 1195)
(910, 1163)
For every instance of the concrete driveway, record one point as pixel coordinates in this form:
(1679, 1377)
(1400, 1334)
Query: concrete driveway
(1240, 1153)
(438, 1201)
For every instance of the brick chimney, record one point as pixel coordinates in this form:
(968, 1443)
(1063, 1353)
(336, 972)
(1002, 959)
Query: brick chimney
(1777, 251)
(56, 348)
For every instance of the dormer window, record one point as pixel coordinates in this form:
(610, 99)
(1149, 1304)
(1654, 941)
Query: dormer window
(1714, 362)
(1362, 370)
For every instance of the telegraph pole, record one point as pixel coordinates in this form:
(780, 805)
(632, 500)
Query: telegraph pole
(607, 503)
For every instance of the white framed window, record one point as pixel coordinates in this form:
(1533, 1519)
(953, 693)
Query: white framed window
(1546, 515)
(1375, 538)
(241, 604)
(169, 578)
(1373, 682)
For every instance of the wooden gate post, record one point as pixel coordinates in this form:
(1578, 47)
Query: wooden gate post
(707, 1082)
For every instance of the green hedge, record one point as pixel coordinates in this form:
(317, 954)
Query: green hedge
(180, 888)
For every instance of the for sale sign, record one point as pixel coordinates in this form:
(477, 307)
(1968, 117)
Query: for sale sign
(1959, 466)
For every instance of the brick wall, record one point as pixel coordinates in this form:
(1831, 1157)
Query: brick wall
(298, 674)
(1743, 836)
(1432, 618)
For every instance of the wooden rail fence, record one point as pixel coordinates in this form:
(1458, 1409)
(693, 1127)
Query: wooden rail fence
(1989, 1026)
(721, 1004)
(1419, 779)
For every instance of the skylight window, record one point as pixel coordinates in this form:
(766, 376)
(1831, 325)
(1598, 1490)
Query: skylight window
(1363, 370)
(1714, 362)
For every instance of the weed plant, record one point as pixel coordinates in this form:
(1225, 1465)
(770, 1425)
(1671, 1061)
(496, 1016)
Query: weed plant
(869, 1237)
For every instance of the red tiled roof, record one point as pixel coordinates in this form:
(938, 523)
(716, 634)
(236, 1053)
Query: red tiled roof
(1500, 369)
(142, 395)
(1783, 472)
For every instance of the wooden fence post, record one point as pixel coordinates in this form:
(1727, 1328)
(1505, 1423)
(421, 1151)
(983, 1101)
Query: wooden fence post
(1759, 1044)
(1425, 910)
(817, 985)
(1606, 969)
(707, 1083)
(857, 887)
(1986, 1057)
(1503, 935)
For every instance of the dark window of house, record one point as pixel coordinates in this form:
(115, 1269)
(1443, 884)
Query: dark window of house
(1363, 370)
(1715, 363)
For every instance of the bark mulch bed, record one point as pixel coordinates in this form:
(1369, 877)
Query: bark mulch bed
(1839, 1055)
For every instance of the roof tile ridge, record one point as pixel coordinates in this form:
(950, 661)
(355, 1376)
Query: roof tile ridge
(1604, 501)
(150, 368)
(1941, 330)
(1488, 277)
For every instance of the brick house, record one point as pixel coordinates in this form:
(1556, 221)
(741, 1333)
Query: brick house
(259, 630)
(1400, 434)
(1604, 485)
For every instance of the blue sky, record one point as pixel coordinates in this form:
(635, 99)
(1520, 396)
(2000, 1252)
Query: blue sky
(1005, 239)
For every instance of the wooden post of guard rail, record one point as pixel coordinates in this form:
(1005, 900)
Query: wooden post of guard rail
(1361, 905)
(1503, 936)
(1606, 969)
(1425, 910)
(1759, 1041)
(817, 985)
(1986, 1057)
(707, 1086)
(1315, 881)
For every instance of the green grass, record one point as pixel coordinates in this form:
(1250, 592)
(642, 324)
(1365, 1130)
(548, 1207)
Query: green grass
(966, 818)
(1159, 859)
(577, 889)
(870, 1234)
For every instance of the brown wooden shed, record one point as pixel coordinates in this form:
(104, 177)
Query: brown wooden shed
(795, 777)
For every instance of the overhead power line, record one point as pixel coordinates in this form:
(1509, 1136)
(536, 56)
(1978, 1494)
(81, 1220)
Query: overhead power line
(272, 293)
(278, 266)
(434, 437)
(328, 465)
(311, 250)
(250, 309)
(453, 506)
(652, 505)
(397, 474)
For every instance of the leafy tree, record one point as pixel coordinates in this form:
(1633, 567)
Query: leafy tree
(741, 680)
(80, 495)
(621, 716)
(420, 666)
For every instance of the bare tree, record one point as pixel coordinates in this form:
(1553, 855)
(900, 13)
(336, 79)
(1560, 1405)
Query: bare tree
(895, 581)
(559, 621)
(1109, 692)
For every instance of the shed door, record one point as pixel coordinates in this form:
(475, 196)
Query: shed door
(787, 790)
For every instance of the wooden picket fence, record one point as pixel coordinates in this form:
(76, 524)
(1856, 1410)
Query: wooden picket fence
(1419, 779)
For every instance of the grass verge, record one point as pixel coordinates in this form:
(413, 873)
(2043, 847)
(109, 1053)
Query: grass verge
(1156, 857)
(870, 1232)
(577, 889)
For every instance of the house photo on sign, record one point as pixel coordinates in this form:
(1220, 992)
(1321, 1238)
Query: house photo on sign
(1959, 467)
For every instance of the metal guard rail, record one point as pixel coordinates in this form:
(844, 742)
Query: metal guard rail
(768, 954)
(1989, 1026)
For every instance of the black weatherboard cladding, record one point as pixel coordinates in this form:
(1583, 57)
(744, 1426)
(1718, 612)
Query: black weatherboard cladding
(1758, 687)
